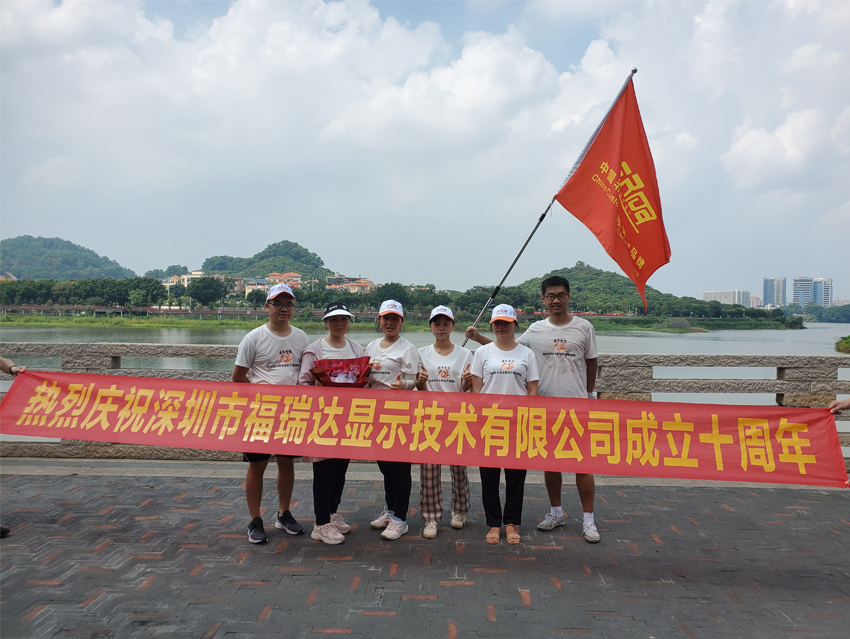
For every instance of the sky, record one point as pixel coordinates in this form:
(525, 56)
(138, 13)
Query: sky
(419, 142)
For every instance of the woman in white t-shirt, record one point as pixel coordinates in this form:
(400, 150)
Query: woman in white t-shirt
(504, 367)
(329, 474)
(445, 367)
(395, 362)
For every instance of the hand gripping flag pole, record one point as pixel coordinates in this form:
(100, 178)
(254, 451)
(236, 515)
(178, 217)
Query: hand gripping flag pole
(601, 196)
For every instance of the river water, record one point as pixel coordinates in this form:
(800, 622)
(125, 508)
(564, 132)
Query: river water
(816, 339)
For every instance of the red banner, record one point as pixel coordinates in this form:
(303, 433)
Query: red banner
(607, 437)
(614, 192)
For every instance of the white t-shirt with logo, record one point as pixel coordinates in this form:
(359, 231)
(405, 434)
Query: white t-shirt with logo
(444, 372)
(271, 359)
(561, 352)
(505, 372)
(387, 363)
(332, 352)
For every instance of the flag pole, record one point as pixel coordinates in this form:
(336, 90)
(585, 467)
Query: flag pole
(516, 259)
(572, 170)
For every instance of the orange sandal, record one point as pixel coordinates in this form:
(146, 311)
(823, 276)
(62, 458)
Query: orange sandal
(512, 534)
(493, 536)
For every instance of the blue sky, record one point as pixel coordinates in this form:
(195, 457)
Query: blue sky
(419, 141)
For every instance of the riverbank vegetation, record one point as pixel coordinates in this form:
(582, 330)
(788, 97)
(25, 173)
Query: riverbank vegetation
(843, 345)
(609, 300)
(413, 323)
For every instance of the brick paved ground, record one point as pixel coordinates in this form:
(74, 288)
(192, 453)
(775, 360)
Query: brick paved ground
(160, 550)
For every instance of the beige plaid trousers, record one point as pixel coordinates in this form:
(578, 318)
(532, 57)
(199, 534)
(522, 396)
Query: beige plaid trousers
(431, 491)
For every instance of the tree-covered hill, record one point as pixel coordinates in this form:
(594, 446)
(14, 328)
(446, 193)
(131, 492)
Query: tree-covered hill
(34, 258)
(282, 257)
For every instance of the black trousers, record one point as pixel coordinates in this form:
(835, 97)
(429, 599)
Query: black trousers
(397, 485)
(514, 490)
(328, 484)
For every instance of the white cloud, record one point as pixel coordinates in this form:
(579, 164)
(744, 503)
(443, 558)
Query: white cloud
(52, 173)
(279, 120)
(758, 157)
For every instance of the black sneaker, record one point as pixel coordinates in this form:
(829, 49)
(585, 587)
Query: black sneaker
(287, 522)
(3, 531)
(256, 532)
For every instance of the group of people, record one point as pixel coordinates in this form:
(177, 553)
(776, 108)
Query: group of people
(555, 357)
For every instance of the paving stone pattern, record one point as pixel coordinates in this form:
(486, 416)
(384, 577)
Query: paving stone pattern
(118, 556)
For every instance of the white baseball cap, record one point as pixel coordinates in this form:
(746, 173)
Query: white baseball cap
(503, 312)
(336, 308)
(441, 310)
(391, 306)
(279, 289)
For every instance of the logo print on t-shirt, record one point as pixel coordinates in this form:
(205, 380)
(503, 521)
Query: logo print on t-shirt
(376, 365)
(559, 347)
(285, 357)
(444, 372)
(508, 365)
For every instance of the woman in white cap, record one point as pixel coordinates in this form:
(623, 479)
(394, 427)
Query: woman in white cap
(445, 367)
(504, 367)
(329, 474)
(395, 362)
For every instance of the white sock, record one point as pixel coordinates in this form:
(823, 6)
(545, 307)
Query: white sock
(587, 518)
(557, 511)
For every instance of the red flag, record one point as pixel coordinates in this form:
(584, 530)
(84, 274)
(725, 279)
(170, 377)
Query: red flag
(612, 189)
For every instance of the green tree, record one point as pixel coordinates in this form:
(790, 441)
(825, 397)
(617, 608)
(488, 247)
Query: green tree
(256, 298)
(839, 314)
(137, 298)
(206, 290)
(391, 291)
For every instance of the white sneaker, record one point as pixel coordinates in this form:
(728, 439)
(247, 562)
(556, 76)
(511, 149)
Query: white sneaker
(458, 520)
(395, 529)
(327, 533)
(430, 530)
(550, 522)
(339, 523)
(383, 520)
(590, 533)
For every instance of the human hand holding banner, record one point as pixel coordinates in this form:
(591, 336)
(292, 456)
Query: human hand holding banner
(608, 437)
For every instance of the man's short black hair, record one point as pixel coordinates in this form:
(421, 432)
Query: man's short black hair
(555, 280)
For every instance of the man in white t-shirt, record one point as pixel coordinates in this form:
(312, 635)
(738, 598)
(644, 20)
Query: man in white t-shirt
(271, 354)
(565, 348)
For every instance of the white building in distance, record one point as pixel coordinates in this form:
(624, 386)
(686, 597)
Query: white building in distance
(732, 296)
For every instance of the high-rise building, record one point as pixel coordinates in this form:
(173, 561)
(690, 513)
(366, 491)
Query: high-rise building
(727, 297)
(802, 291)
(774, 291)
(755, 302)
(822, 291)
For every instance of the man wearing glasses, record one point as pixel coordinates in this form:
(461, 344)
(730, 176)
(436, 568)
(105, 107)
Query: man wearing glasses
(271, 354)
(565, 348)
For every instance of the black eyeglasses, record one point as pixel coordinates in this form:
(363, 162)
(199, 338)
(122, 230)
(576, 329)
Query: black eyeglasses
(281, 305)
(551, 297)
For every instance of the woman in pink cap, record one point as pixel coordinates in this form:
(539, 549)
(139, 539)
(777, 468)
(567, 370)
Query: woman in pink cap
(395, 362)
(445, 367)
(504, 367)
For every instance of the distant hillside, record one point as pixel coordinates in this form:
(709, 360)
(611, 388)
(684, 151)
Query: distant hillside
(37, 258)
(592, 289)
(282, 257)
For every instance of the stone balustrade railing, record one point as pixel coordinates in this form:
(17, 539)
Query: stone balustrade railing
(799, 380)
